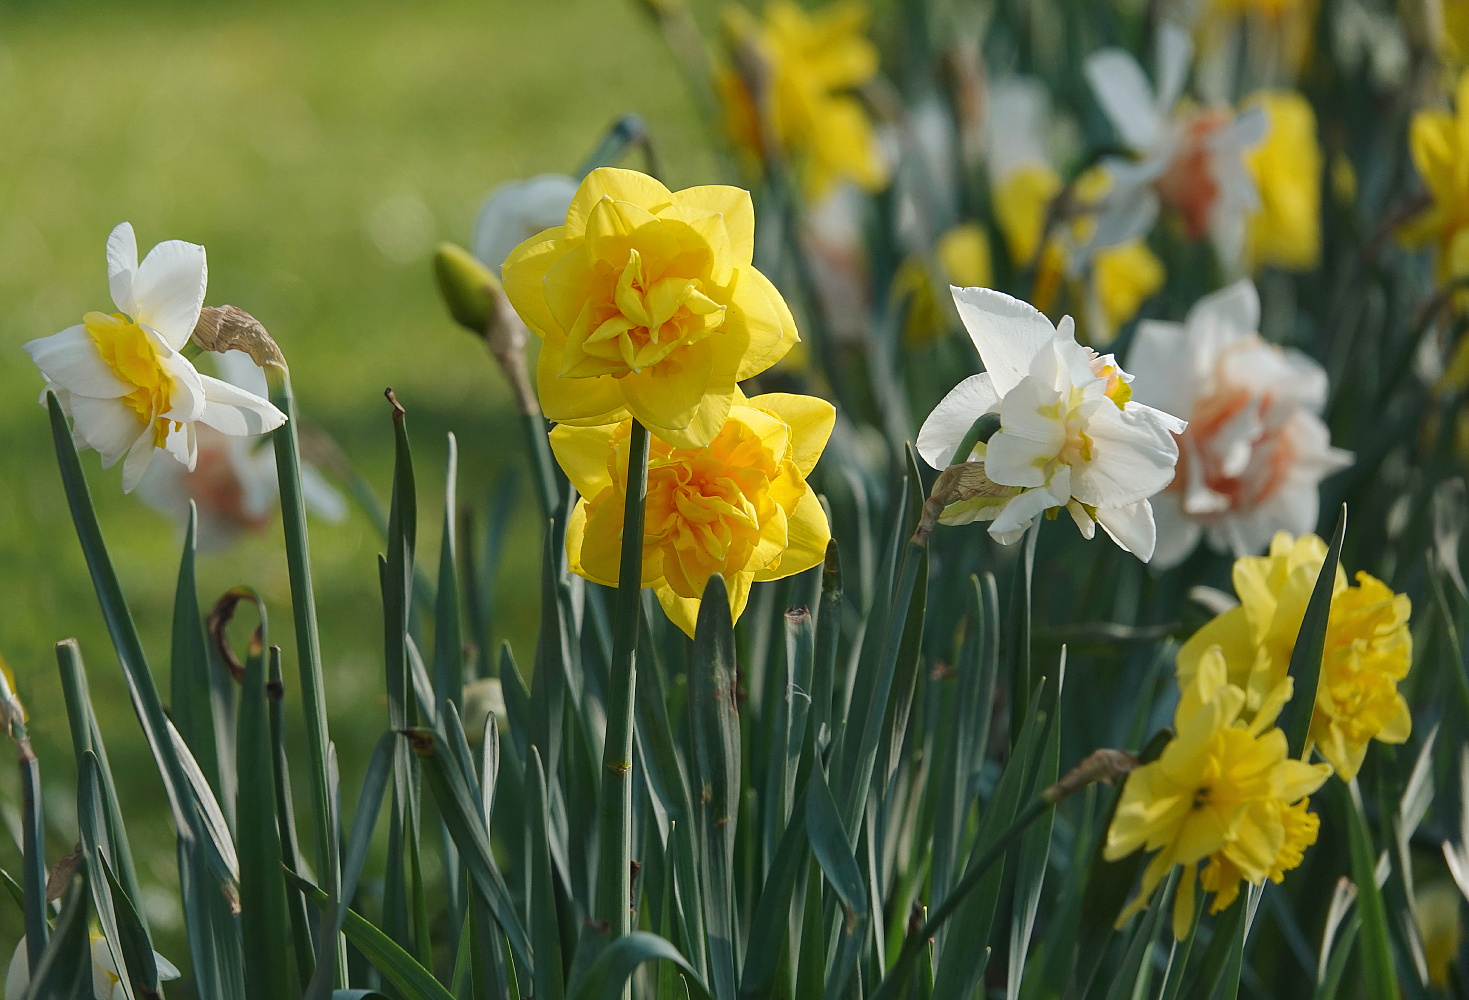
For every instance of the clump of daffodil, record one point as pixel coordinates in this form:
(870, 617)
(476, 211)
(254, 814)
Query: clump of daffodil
(1285, 231)
(1439, 143)
(648, 306)
(123, 377)
(1368, 648)
(1224, 794)
(792, 86)
(739, 507)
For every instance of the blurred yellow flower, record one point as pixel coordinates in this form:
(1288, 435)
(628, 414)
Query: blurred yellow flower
(1368, 648)
(1220, 789)
(1021, 200)
(963, 258)
(1298, 828)
(1439, 927)
(1286, 229)
(739, 507)
(1439, 143)
(808, 65)
(1123, 278)
(648, 306)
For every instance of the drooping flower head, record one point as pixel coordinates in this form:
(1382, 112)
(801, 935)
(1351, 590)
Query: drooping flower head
(648, 306)
(106, 984)
(1285, 231)
(1255, 452)
(1439, 143)
(1368, 650)
(807, 65)
(1222, 792)
(739, 507)
(122, 377)
(1069, 433)
(1187, 159)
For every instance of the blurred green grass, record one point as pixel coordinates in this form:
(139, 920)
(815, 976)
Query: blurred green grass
(319, 151)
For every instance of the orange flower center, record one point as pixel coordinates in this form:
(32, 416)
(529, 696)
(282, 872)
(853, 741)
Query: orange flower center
(1189, 186)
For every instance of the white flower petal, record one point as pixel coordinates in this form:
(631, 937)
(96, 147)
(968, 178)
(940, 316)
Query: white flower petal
(70, 359)
(122, 267)
(166, 969)
(108, 426)
(1162, 362)
(234, 411)
(516, 211)
(139, 455)
(1131, 527)
(1237, 305)
(169, 290)
(1132, 459)
(1019, 513)
(1160, 418)
(1007, 332)
(238, 368)
(1175, 51)
(18, 976)
(944, 430)
(321, 496)
(1084, 522)
(1125, 96)
(1177, 535)
(186, 396)
(182, 443)
(1027, 440)
(1127, 212)
(1015, 127)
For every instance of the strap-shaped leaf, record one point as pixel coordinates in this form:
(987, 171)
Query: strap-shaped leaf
(608, 975)
(1305, 658)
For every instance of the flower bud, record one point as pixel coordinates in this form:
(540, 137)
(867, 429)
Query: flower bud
(469, 288)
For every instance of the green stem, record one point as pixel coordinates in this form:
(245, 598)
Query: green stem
(613, 899)
(308, 641)
(896, 980)
(543, 466)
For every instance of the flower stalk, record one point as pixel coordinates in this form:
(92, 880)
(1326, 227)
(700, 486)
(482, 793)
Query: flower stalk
(614, 877)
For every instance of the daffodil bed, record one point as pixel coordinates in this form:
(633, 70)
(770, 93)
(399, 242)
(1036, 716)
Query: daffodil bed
(828, 698)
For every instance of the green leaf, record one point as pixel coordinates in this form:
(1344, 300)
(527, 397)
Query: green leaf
(63, 970)
(92, 826)
(137, 948)
(407, 976)
(303, 609)
(1220, 956)
(1132, 977)
(1305, 658)
(715, 727)
(606, 978)
(1380, 979)
(448, 634)
(263, 920)
(286, 821)
(832, 848)
(545, 927)
(191, 686)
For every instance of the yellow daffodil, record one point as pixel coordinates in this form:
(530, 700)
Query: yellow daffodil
(1298, 827)
(648, 306)
(1285, 230)
(739, 507)
(1439, 143)
(1439, 927)
(1221, 789)
(1368, 648)
(809, 65)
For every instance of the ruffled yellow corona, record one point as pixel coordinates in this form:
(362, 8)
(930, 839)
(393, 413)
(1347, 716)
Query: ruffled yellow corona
(739, 507)
(648, 306)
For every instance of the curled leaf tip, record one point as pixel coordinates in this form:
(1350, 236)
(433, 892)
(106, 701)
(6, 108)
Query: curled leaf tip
(398, 412)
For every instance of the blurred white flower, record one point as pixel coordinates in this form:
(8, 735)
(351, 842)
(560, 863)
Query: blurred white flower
(1254, 454)
(122, 377)
(516, 211)
(105, 982)
(1188, 159)
(1069, 434)
(233, 484)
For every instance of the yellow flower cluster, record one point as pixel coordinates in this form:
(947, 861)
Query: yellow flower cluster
(649, 309)
(1286, 165)
(1224, 795)
(1439, 143)
(1368, 648)
(809, 63)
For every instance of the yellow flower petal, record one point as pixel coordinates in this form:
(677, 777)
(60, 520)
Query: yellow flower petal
(618, 184)
(582, 454)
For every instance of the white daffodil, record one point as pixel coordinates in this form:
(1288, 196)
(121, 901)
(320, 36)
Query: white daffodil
(122, 377)
(105, 982)
(233, 484)
(1069, 434)
(517, 210)
(1254, 454)
(1190, 160)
